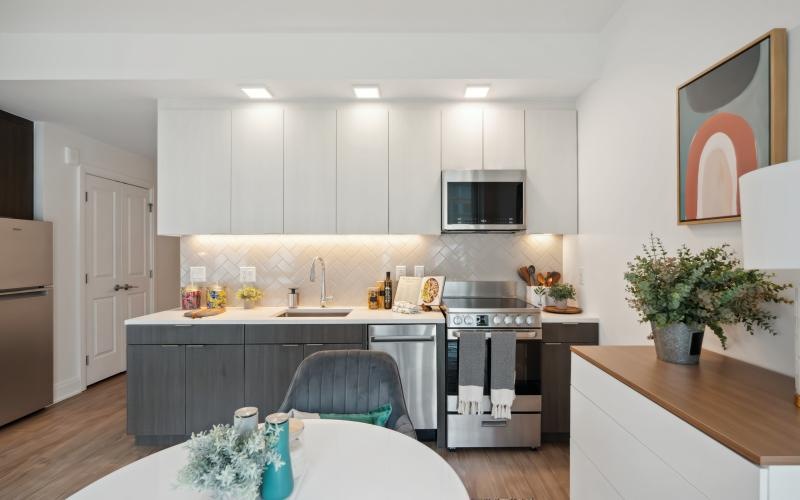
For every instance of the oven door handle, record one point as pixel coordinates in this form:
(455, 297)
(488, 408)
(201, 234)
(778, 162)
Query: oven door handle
(494, 423)
(533, 334)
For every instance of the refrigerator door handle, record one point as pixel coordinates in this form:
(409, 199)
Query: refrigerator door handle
(26, 291)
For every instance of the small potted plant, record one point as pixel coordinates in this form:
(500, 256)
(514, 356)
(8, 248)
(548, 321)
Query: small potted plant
(226, 464)
(683, 294)
(561, 293)
(249, 295)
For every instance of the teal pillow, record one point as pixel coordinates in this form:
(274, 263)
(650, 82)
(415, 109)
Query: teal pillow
(378, 416)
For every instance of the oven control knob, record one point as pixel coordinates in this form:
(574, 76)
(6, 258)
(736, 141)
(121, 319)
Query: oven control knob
(519, 320)
(457, 320)
(529, 320)
(497, 319)
(469, 320)
(507, 320)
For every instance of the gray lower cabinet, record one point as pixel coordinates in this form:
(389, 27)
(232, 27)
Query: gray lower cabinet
(156, 390)
(269, 369)
(214, 384)
(556, 371)
(186, 378)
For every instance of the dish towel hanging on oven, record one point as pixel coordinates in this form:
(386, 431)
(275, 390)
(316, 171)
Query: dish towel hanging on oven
(504, 352)
(471, 371)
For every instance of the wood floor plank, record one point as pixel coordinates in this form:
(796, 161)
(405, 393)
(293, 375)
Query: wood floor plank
(59, 450)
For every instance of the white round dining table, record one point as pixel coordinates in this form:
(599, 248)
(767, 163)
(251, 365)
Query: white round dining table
(341, 460)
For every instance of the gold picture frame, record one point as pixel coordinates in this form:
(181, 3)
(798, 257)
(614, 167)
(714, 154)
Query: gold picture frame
(694, 141)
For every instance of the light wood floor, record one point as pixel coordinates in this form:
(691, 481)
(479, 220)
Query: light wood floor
(59, 450)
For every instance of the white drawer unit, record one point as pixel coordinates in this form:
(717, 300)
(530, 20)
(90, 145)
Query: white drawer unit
(643, 451)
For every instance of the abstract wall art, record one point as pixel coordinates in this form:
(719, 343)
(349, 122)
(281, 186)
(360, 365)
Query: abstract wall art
(732, 119)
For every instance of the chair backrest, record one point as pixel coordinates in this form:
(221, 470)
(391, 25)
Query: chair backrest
(347, 381)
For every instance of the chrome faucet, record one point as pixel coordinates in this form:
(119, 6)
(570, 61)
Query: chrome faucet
(323, 298)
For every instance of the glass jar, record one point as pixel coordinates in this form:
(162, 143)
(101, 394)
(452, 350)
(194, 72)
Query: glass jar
(380, 285)
(372, 298)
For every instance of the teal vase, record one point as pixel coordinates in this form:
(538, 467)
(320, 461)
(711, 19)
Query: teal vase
(277, 484)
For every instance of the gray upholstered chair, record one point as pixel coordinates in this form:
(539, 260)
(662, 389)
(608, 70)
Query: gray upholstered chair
(349, 381)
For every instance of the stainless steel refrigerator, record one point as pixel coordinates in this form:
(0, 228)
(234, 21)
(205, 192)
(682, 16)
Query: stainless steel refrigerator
(26, 317)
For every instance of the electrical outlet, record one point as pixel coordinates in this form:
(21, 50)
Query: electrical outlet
(247, 274)
(197, 274)
(580, 276)
(419, 271)
(399, 271)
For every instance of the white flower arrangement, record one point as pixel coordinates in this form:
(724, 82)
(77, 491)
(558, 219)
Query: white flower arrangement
(228, 465)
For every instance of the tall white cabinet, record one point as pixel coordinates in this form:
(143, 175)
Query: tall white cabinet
(310, 170)
(257, 170)
(551, 138)
(362, 177)
(415, 177)
(194, 174)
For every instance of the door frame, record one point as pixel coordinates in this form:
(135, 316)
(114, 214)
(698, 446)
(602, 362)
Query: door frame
(81, 290)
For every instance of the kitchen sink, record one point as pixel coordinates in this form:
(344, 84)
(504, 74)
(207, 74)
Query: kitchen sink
(314, 313)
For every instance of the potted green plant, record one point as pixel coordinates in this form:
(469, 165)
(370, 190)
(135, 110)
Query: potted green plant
(561, 293)
(249, 295)
(226, 464)
(682, 294)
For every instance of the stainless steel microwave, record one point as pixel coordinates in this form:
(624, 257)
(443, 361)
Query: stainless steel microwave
(483, 201)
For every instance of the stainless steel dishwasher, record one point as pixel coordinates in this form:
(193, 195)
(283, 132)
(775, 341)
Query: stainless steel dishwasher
(413, 347)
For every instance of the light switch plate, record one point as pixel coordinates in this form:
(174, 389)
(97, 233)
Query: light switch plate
(399, 271)
(419, 271)
(247, 274)
(197, 274)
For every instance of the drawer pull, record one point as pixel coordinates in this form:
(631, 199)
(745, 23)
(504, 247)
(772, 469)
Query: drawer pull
(196, 345)
(316, 345)
(494, 423)
(170, 345)
(290, 345)
(182, 326)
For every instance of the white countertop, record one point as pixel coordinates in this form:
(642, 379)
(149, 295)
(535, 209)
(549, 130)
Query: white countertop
(268, 315)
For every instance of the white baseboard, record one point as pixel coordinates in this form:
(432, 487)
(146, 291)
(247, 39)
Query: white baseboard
(66, 389)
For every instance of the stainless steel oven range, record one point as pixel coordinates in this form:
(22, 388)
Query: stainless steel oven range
(491, 307)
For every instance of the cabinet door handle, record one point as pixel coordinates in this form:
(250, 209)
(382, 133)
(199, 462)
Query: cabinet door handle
(196, 345)
(570, 323)
(553, 343)
(317, 345)
(170, 345)
(182, 326)
(290, 345)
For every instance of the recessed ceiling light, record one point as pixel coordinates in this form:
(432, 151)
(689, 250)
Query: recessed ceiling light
(367, 91)
(476, 91)
(257, 92)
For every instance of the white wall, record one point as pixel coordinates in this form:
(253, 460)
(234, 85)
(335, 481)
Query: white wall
(627, 153)
(57, 198)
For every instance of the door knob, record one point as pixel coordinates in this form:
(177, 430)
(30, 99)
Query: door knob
(117, 288)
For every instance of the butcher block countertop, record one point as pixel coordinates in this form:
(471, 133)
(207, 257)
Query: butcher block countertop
(746, 408)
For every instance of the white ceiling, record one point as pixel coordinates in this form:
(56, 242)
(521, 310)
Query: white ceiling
(257, 16)
(123, 113)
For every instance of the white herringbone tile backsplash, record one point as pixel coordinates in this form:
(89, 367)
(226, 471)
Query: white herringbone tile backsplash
(355, 262)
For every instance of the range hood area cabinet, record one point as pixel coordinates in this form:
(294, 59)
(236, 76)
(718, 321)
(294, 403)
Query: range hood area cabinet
(361, 168)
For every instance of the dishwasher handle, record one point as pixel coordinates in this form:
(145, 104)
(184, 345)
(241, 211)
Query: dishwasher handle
(403, 338)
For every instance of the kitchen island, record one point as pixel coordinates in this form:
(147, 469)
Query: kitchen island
(185, 375)
(720, 429)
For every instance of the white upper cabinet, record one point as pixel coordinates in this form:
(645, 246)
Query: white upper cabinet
(503, 138)
(362, 179)
(194, 171)
(257, 170)
(415, 194)
(462, 137)
(552, 165)
(309, 170)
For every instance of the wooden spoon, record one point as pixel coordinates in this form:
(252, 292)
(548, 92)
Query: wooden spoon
(556, 276)
(540, 279)
(523, 274)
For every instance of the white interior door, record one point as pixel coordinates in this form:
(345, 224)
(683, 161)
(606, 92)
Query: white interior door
(118, 270)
